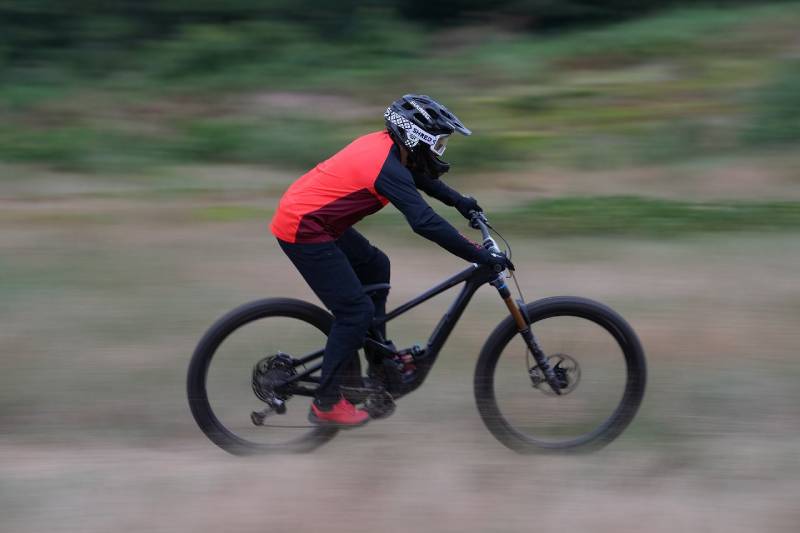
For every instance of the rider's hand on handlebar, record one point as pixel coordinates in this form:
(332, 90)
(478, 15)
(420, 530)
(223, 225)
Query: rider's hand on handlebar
(466, 205)
(497, 261)
(474, 216)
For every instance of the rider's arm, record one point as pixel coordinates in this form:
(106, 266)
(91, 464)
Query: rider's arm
(448, 196)
(397, 185)
(436, 188)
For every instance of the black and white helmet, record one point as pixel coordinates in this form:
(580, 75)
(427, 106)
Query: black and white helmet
(423, 125)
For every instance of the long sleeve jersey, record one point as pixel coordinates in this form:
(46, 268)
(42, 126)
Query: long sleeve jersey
(357, 181)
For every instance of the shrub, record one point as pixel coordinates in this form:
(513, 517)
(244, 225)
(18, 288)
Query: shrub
(777, 116)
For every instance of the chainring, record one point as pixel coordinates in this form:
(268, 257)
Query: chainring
(373, 396)
(379, 404)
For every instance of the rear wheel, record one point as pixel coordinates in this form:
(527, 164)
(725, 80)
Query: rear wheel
(265, 334)
(597, 358)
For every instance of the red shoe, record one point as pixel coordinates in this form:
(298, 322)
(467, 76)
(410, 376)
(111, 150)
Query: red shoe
(343, 414)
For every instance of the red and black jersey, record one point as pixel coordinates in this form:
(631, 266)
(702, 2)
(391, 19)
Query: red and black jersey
(357, 181)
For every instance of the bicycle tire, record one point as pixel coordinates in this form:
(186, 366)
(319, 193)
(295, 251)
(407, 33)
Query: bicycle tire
(569, 306)
(201, 359)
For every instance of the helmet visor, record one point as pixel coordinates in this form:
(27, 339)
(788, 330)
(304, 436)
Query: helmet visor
(440, 145)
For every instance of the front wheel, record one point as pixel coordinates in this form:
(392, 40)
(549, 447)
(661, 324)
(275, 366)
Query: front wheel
(600, 364)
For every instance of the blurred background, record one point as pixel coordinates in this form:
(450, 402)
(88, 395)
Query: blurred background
(644, 154)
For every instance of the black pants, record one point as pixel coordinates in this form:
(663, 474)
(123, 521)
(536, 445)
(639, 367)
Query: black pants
(336, 272)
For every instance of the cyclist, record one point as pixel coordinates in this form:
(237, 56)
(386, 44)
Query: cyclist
(314, 219)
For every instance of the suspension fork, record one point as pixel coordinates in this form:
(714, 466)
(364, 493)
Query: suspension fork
(517, 310)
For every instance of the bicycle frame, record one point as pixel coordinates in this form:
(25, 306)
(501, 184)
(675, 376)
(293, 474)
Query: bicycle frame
(472, 277)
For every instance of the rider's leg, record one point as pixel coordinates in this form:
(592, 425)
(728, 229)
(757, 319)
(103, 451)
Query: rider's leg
(328, 272)
(371, 266)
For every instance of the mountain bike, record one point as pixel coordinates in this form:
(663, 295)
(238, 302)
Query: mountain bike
(560, 374)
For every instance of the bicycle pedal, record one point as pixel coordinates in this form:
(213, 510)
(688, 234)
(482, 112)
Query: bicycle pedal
(357, 395)
(380, 404)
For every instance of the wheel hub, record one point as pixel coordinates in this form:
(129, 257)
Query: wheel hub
(566, 369)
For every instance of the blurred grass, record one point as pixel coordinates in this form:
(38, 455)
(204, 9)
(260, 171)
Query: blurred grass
(776, 118)
(284, 142)
(630, 215)
(588, 216)
(230, 213)
(682, 84)
(665, 35)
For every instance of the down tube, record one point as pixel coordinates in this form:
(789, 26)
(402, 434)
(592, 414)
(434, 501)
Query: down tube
(450, 319)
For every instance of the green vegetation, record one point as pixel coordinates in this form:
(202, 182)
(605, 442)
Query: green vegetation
(628, 215)
(598, 215)
(230, 213)
(777, 115)
(268, 85)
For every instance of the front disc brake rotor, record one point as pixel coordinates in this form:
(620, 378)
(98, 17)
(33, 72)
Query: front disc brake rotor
(566, 369)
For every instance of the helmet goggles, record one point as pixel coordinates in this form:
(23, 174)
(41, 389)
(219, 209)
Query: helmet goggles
(438, 143)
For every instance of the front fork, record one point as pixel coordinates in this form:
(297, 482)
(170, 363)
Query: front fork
(523, 327)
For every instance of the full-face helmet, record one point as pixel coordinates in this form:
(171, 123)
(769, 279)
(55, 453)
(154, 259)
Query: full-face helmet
(422, 125)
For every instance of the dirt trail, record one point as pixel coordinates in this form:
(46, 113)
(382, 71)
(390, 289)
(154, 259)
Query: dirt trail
(98, 318)
(366, 483)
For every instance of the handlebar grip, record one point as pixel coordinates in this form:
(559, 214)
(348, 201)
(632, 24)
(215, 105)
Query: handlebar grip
(478, 221)
(474, 218)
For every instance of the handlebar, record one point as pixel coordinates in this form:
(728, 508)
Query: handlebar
(479, 221)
